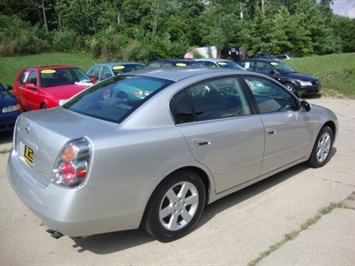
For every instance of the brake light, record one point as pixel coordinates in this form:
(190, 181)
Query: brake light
(72, 164)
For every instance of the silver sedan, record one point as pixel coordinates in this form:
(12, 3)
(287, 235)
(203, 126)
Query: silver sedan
(100, 163)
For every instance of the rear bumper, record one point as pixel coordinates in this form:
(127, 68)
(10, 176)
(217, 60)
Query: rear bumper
(76, 212)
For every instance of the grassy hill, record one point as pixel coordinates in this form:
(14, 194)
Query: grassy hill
(336, 72)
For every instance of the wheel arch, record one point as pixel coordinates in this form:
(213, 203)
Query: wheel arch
(332, 127)
(204, 176)
(42, 105)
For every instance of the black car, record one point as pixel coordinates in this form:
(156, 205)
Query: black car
(298, 83)
(159, 63)
(9, 108)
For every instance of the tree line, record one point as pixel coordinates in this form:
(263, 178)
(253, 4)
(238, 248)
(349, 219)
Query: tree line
(142, 30)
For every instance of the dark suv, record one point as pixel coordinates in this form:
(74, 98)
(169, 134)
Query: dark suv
(300, 84)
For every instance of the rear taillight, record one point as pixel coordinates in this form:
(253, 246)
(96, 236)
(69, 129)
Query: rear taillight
(72, 164)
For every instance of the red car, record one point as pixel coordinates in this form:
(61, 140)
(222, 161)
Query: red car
(45, 87)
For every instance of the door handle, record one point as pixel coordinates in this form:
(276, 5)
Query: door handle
(271, 131)
(202, 141)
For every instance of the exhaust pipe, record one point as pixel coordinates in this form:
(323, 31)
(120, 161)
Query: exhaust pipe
(55, 234)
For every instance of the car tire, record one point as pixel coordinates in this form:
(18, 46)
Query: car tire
(291, 88)
(43, 106)
(322, 148)
(175, 206)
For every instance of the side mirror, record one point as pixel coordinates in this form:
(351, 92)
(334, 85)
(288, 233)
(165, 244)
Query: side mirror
(9, 88)
(305, 106)
(30, 86)
(272, 72)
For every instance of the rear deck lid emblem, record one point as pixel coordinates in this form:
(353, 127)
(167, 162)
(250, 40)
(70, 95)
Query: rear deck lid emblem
(27, 129)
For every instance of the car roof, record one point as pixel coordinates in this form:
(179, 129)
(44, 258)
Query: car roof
(176, 74)
(54, 66)
(266, 60)
(213, 59)
(171, 60)
(121, 63)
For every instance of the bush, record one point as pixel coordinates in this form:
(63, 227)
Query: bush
(20, 38)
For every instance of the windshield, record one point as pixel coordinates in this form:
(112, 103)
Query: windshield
(226, 64)
(114, 99)
(281, 67)
(119, 69)
(62, 76)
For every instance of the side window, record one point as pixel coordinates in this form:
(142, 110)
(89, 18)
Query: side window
(155, 64)
(183, 107)
(22, 79)
(210, 100)
(247, 65)
(105, 73)
(33, 78)
(262, 67)
(167, 64)
(95, 71)
(209, 64)
(270, 96)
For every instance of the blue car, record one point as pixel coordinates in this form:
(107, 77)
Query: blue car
(9, 108)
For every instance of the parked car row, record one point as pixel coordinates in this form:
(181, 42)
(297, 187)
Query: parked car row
(49, 86)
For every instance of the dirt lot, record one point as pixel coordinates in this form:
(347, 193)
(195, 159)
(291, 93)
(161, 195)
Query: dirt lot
(232, 231)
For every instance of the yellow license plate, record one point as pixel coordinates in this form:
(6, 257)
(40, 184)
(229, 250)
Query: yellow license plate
(28, 154)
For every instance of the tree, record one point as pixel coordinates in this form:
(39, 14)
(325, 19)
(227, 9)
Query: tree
(318, 24)
(344, 29)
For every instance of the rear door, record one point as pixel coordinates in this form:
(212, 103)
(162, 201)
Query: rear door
(216, 121)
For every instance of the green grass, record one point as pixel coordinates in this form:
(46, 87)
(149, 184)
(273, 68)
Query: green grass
(5, 151)
(336, 72)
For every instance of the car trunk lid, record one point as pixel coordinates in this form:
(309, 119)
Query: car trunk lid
(39, 138)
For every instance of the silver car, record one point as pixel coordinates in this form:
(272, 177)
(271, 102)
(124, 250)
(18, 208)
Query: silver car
(101, 164)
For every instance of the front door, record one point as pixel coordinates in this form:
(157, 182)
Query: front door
(287, 135)
(221, 132)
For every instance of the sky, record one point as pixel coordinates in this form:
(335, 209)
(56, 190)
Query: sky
(344, 8)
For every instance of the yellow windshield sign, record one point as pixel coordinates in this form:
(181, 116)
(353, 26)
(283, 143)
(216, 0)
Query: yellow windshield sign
(274, 63)
(48, 71)
(180, 64)
(118, 67)
(222, 63)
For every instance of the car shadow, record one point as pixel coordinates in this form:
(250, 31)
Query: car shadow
(118, 241)
(6, 137)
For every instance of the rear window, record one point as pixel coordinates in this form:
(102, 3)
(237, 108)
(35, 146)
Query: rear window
(114, 99)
